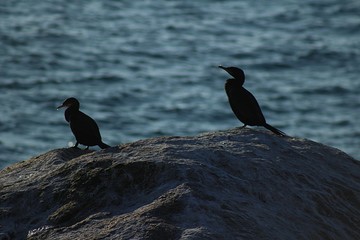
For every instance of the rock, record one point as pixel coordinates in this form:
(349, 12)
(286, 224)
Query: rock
(236, 184)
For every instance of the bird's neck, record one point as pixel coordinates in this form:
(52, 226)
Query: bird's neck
(235, 82)
(71, 111)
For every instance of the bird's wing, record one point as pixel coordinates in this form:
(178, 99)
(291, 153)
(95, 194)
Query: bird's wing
(244, 105)
(85, 128)
(253, 109)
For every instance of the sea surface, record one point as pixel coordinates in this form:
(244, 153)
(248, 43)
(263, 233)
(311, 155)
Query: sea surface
(149, 68)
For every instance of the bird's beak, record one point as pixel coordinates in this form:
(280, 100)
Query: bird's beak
(62, 105)
(222, 67)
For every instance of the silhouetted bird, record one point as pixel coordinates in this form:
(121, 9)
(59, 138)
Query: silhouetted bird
(84, 128)
(243, 103)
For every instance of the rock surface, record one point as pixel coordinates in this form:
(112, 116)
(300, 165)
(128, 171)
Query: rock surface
(235, 184)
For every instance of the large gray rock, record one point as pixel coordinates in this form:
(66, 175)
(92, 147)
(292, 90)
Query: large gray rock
(236, 184)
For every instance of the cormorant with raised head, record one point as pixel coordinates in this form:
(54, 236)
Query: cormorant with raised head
(84, 128)
(243, 103)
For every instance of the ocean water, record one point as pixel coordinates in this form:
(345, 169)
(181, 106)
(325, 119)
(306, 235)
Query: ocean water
(149, 68)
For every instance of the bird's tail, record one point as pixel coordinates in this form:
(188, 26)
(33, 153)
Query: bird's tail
(103, 145)
(274, 130)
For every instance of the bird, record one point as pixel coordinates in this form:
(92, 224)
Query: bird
(84, 128)
(243, 103)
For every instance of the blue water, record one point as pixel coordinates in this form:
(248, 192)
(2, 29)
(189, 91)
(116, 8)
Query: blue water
(149, 68)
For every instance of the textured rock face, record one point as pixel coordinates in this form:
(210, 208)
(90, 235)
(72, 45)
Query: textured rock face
(236, 184)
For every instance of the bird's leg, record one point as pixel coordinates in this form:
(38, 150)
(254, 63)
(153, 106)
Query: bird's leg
(76, 145)
(243, 126)
(87, 148)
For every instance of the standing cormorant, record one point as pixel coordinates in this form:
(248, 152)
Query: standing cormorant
(84, 128)
(243, 103)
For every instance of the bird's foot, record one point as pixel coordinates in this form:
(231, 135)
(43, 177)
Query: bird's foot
(243, 126)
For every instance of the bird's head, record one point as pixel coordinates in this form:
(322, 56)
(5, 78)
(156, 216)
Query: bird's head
(237, 73)
(70, 102)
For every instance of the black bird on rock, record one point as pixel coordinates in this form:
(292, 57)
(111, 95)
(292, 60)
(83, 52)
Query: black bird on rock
(243, 103)
(84, 128)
